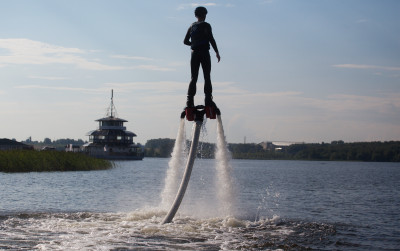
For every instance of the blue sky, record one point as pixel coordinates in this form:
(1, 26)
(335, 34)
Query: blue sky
(307, 71)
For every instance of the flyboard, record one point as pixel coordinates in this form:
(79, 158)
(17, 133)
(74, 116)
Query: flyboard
(195, 114)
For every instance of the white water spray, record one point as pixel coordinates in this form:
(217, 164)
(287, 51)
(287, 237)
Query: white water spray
(175, 168)
(186, 176)
(224, 183)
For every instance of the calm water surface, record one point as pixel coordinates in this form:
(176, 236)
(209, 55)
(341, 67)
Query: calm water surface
(289, 205)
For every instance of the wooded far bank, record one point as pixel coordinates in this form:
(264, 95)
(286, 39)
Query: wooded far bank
(388, 151)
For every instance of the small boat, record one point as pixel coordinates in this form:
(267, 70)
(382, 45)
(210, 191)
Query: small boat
(112, 141)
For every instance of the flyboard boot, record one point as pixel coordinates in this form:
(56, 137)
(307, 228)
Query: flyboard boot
(210, 107)
(194, 113)
(190, 109)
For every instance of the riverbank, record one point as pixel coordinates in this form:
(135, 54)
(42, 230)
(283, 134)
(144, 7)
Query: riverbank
(49, 161)
(335, 151)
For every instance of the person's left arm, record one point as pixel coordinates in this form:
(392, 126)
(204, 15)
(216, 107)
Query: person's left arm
(213, 43)
(187, 38)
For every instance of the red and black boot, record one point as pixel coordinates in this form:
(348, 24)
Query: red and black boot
(210, 107)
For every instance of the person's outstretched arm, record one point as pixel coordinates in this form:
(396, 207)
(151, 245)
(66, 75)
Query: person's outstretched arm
(187, 38)
(214, 44)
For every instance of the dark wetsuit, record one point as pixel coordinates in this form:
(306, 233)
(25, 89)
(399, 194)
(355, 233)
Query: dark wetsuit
(199, 36)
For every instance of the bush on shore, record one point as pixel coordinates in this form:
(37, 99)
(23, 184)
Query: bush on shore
(49, 161)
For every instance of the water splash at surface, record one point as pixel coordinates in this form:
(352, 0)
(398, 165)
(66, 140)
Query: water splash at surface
(140, 230)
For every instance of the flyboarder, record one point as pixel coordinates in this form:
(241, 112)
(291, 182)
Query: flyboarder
(199, 37)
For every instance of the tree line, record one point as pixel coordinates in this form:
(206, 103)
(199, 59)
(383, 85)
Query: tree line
(58, 144)
(388, 151)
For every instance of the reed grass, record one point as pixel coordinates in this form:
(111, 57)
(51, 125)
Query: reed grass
(49, 161)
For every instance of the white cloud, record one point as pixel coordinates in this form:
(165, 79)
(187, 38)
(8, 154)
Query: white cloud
(152, 87)
(266, 1)
(132, 57)
(363, 66)
(29, 52)
(47, 77)
(62, 88)
(22, 46)
(286, 106)
(25, 51)
(346, 102)
(152, 68)
(260, 116)
(194, 5)
(234, 97)
(293, 116)
(144, 67)
(155, 87)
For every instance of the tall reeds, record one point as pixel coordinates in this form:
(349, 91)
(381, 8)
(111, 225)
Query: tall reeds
(49, 161)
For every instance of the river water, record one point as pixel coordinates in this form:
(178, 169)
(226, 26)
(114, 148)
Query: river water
(278, 205)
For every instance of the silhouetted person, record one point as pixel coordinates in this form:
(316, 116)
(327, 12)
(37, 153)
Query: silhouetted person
(199, 37)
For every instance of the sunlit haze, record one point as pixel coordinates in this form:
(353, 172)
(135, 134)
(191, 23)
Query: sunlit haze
(298, 71)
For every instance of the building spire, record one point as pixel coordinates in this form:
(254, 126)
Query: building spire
(111, 111)
(112, 102)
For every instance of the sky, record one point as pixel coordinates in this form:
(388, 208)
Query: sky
(297, 71)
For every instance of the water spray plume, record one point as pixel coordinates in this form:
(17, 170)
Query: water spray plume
(175, 168)
(225, 188)
(224, 184)
(186, 176)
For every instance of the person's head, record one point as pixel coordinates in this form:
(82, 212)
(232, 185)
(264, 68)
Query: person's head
(200, 12)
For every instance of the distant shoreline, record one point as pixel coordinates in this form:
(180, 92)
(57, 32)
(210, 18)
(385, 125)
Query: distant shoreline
(335, 151)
